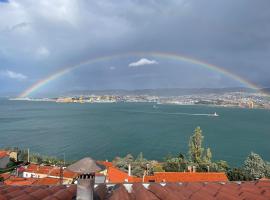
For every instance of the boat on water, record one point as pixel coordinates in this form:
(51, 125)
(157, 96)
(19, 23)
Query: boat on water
(215, 114)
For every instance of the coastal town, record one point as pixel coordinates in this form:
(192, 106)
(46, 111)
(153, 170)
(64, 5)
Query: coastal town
(227, 99)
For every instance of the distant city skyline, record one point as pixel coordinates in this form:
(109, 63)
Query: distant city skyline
(40, 38)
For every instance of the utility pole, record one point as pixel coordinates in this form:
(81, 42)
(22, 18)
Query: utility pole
(28, 155)
(61, 175)
(64, 158)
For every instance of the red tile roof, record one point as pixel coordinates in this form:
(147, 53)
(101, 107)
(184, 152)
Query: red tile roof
(38, 169)
(37, 192)
(114, 175)
(105, 163)
(193, 191)
(19, 181)
(50, 171)
(5, 175)
(3, 154)
(187, 177)
(256, 190)
(47, 181)
(66, 173)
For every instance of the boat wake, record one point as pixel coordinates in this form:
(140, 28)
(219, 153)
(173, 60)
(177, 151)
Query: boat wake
(172, 113)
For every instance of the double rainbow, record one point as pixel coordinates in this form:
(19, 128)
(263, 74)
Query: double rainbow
(41, 83)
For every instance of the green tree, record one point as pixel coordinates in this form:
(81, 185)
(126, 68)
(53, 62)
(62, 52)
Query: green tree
(195, 146)
(222, 166)
(138, 166)
(208, 156)
(237, 174)
(175, 164)
(122, 163)
(255, 166)
(140, 157)
(158, 168)
(267, 169)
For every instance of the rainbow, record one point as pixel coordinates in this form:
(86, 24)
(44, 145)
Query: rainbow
(41, 83)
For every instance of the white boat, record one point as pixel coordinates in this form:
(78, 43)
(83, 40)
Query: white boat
(215, 114)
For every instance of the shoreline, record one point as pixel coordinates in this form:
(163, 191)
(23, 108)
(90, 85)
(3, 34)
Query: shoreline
(117, 102)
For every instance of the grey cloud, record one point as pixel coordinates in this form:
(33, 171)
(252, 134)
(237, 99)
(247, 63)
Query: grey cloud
(13, 75)
(228, 33)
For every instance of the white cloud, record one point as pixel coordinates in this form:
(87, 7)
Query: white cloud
(143, 61)
(43, 52)
(13, 75)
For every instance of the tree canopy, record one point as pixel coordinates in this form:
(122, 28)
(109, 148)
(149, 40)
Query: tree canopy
(195, 146)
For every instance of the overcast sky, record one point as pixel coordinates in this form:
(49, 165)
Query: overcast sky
(37, 38)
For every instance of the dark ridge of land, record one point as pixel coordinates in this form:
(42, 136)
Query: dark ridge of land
(161, 91)
(152, 92)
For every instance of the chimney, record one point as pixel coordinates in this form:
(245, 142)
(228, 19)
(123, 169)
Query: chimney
(86, 168)
(129, 170)
(85, 186)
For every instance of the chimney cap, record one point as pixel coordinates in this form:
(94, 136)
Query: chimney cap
(84, 166)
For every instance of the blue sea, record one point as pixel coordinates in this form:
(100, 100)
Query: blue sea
(107, 130)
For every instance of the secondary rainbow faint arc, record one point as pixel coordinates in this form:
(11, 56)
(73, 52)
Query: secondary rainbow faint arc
(173, 56)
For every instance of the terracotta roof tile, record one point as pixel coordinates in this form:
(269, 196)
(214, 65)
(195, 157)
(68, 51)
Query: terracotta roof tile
(263, 184)
(226, 196)
(120, 193)
(162, 192)
(16, 193)
(145, 191)
(117, 176)
(66, 173)
(71, 188)
(3, 154)
(100, 191)
(3, 197)
(197, 191)
(39, 169)
(210, 189)
(105, 163)
(63, 194)
(40, 193)
(252, 196)
(266, 193)
(177, 189)
(202, 195)
(5, 175)
(47, 181)
(31, 189)
(24, 197)
(50, 198)
(189, 177)
(20, 181)
(140, 192)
